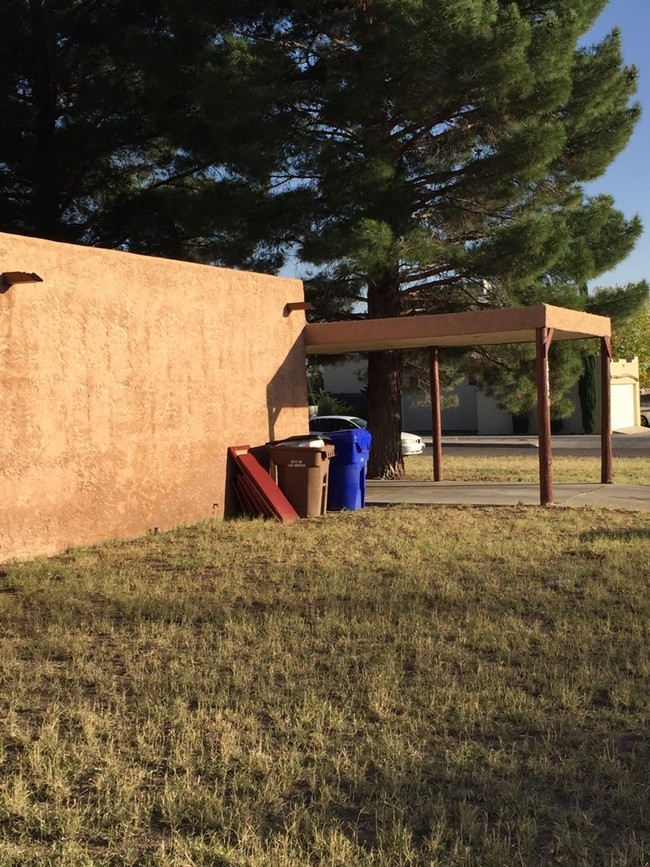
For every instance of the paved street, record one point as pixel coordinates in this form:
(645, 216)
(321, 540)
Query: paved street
(633, 442)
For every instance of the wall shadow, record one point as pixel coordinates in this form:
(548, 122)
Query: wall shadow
(288, 387)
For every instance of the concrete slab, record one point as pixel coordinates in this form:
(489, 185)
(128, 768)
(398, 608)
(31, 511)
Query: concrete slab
(635, 429)
(633, 497)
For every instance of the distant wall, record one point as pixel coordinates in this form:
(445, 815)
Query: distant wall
(626, 393)
(123, 380)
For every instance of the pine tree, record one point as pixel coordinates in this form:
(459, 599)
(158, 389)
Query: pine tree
(407, 150)
(102, 104)
(442, 144)
(597, 238)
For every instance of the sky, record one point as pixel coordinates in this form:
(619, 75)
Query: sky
(628, 177)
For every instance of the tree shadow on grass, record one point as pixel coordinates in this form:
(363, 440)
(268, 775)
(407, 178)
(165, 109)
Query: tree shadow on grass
(615, 534)
(490, 812)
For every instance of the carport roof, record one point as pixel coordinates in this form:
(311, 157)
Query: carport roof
(475, 328)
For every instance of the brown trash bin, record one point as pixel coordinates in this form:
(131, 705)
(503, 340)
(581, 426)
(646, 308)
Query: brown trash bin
(303, 472)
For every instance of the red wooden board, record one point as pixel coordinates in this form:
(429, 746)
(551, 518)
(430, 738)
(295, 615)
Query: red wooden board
(261, 488)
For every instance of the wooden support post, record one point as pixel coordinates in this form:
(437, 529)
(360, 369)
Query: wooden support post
(543, 337)
(605, 411)
(436, 420)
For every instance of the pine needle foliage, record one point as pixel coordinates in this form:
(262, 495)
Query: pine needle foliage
(419, 156)
(445, 146)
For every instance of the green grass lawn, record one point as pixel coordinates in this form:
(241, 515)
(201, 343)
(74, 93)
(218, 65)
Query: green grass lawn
(395, 686)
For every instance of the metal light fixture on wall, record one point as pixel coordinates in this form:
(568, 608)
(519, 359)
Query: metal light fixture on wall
(11, 278)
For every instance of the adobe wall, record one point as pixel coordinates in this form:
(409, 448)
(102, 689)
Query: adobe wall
(123, 380)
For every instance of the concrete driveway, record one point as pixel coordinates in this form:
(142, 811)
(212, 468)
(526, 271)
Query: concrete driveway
(628, 442)
(635, 497)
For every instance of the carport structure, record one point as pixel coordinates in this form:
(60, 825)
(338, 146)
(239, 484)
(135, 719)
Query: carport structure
(539, 324)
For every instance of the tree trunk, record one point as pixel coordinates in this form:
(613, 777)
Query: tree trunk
(385, 415)
(385, 386)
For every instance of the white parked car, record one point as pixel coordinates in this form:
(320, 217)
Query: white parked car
(645, 416)
(323, 424)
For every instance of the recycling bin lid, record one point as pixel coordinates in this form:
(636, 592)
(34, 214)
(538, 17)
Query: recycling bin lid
(356, 435)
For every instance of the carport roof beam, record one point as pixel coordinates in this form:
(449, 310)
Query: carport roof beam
(475, 328)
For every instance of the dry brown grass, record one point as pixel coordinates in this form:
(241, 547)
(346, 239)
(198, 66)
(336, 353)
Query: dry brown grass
(400, 686)
(524, 467)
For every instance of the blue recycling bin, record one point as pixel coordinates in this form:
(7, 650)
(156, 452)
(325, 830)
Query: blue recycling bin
(347, 474)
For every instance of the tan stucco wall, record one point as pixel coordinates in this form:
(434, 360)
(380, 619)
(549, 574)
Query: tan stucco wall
(123, 380)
